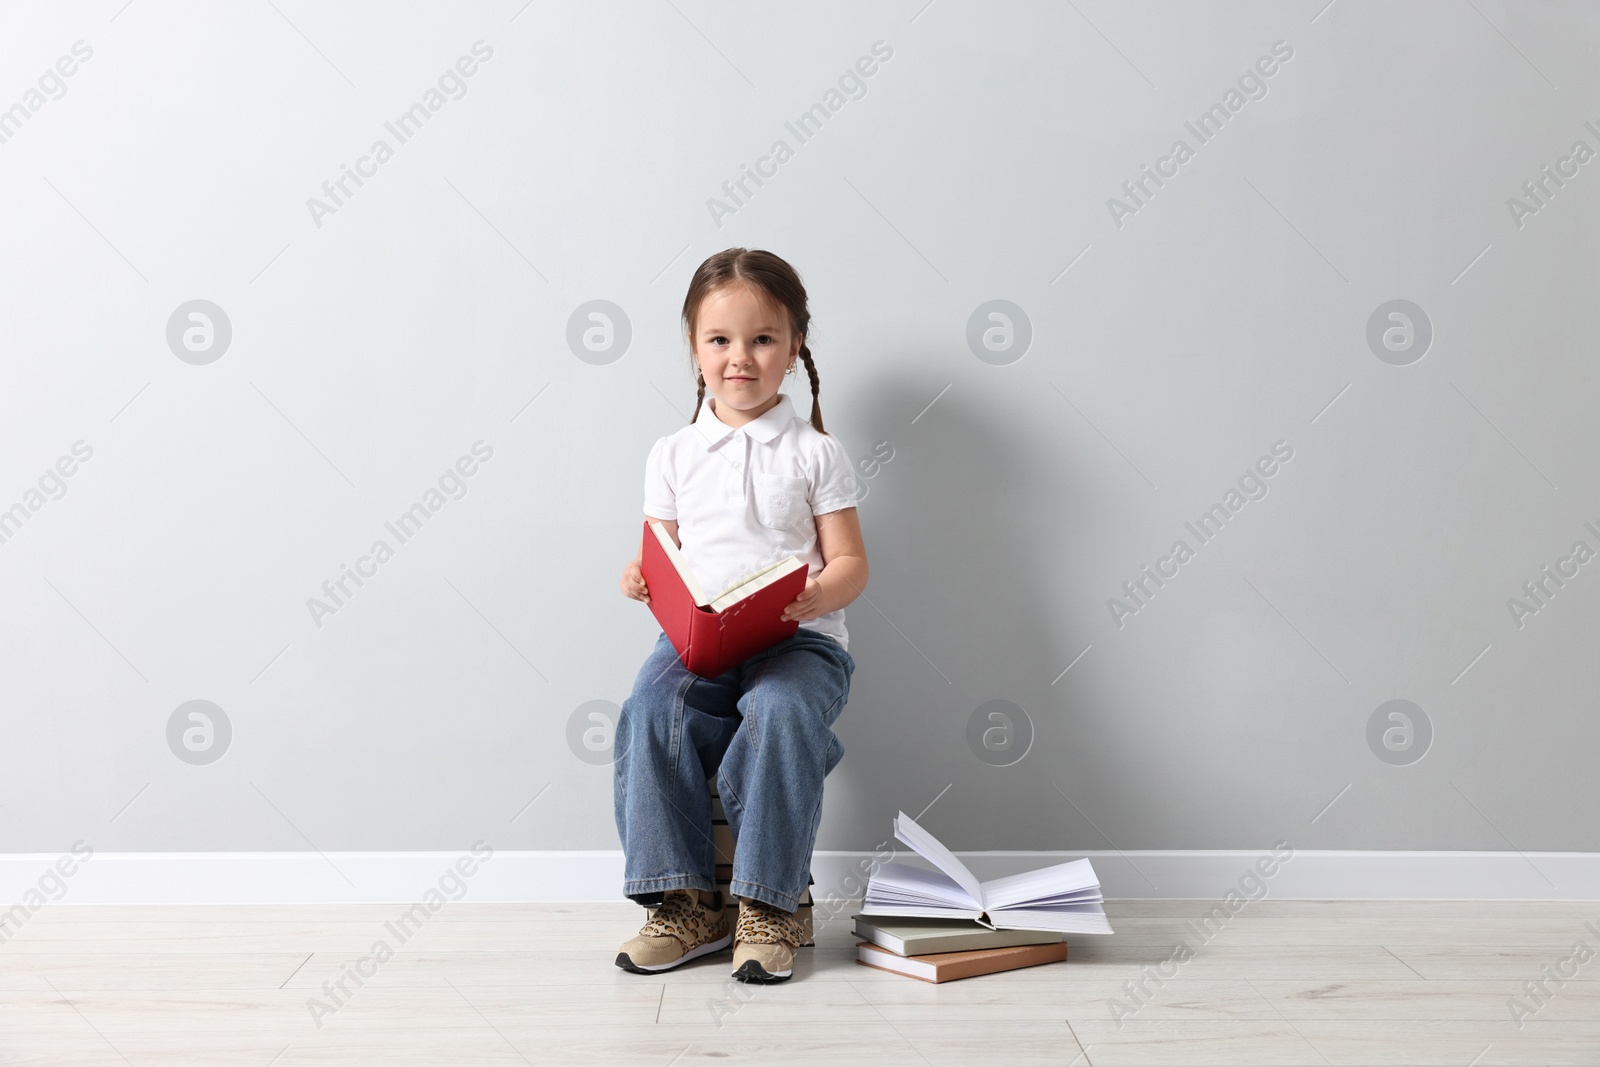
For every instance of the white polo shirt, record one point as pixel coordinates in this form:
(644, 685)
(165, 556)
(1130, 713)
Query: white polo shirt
(746, 497)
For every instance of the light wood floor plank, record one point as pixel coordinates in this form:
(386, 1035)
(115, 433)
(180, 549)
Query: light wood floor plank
(1281, 982)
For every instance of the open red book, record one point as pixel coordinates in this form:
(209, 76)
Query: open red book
(716, 632)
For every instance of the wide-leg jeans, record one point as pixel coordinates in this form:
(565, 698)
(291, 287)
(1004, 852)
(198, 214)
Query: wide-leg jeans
(765, 729)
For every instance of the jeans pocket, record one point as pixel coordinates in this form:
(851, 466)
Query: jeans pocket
(831, 716)
(847, 672)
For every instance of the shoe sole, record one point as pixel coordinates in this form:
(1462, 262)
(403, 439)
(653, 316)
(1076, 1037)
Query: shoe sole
(627, 964)
(752, 971)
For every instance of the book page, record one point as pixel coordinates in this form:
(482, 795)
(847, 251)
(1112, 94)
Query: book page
(1063, 883)
(760, 580)
(679, 563)
(900, 883)
(929, 848)
(1069, 919)
(757, 579)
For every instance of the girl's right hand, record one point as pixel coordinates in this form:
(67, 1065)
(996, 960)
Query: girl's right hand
(633, 582)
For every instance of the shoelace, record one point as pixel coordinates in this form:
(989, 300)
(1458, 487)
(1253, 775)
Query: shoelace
(780, 925)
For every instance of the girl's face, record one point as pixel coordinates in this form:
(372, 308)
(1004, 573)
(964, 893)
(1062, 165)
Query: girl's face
(744, 347)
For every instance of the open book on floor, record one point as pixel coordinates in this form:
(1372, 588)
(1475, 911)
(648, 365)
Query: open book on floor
(716, 631)
(1063, 897)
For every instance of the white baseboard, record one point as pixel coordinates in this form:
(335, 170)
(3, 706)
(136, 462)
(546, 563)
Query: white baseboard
(596, 876)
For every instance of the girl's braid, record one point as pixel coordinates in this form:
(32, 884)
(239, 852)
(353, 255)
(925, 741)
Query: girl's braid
(816, 387)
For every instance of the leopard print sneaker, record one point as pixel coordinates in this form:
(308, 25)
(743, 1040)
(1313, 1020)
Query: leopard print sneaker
(764, 940)
(680, 930)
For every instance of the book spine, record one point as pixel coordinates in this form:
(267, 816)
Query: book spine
(690, 637)
(705, 643)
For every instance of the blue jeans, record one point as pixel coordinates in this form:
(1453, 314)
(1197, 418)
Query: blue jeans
(765, 729)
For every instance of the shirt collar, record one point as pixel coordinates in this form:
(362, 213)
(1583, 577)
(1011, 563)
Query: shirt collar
(713, 431)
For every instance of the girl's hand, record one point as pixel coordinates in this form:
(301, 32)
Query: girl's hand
(804, 606)
(633, 582)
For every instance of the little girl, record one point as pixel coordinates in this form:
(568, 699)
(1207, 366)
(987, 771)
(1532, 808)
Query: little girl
(747, 482)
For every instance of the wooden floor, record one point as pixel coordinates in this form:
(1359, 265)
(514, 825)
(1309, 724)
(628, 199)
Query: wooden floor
(1283, 982)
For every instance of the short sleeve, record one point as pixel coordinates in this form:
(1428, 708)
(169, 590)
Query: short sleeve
(834, 484)
(660, 496)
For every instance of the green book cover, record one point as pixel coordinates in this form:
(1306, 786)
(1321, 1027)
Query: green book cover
(919, 937)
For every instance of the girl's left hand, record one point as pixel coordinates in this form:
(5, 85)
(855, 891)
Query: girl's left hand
(804, 606)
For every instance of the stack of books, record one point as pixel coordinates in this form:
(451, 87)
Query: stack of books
(941, 950)
(723, 840)
(944, 924)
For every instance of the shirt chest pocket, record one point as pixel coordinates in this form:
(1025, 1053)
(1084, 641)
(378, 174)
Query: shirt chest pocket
(780, 501)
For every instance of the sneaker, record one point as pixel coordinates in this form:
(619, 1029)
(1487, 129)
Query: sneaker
(764, 940)
(681, 929)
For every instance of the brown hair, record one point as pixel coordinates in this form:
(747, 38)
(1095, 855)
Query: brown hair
(767, 275)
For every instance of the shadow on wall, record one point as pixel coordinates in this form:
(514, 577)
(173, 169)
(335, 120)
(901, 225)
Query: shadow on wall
(959, 529)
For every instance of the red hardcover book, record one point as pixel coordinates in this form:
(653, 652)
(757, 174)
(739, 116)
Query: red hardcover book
(713, 633)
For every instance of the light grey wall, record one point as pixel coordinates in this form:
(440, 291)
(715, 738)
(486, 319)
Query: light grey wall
(1171, 349)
